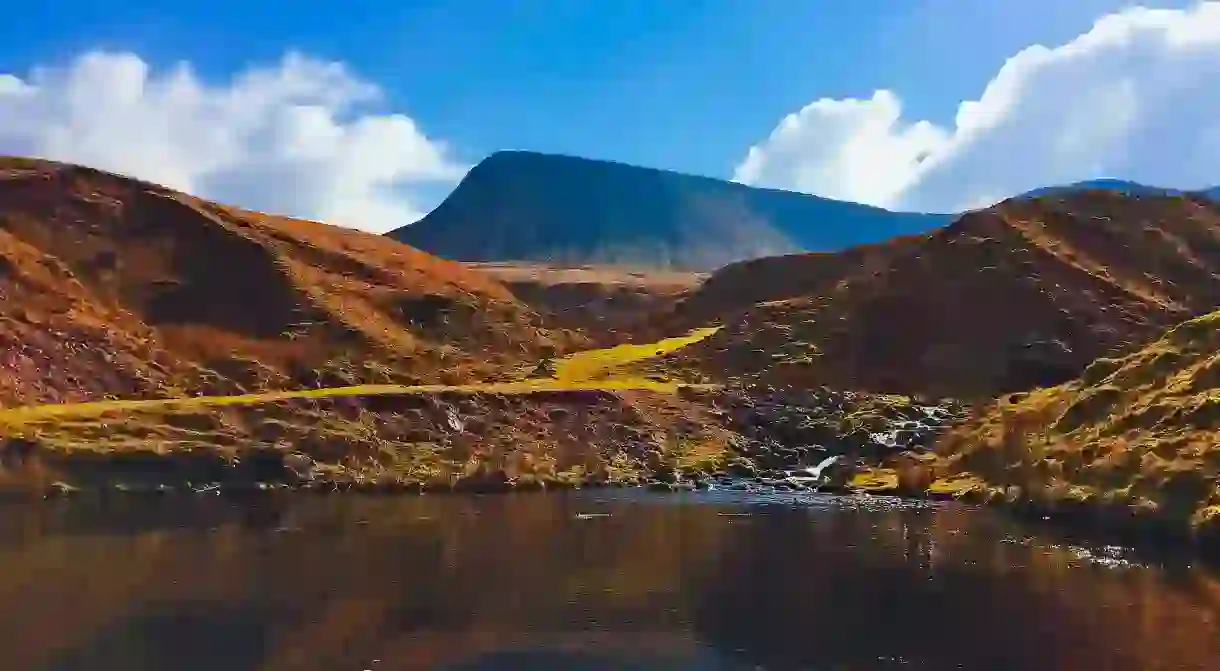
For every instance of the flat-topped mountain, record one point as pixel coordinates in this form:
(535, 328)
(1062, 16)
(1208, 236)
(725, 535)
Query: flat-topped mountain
(561, 210)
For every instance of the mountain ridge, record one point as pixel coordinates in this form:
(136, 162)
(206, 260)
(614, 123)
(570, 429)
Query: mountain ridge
(533, 207)
(1022, 294)
(1124, 186)
(521, 206)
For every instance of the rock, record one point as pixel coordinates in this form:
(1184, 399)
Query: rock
(741, 467)
(58, 489)
(856, 439)
(665, 474)
(300, 465)
(484, 481)
(838, 474)
(545, 368)
(17, 452)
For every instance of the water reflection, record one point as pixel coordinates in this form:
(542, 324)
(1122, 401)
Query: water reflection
(597, 580)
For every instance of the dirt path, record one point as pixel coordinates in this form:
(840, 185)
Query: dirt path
(592, 370)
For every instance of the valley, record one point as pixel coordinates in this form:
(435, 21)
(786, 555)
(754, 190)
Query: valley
(159, 342)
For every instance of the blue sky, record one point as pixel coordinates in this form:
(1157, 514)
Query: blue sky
(683, 84)
(688, 85)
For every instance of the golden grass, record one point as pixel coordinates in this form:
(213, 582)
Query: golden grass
(1137, 435)
(600, 364)
(955, 486)
(592, 370)
(504, 432)
(874, 480)
(94, 409)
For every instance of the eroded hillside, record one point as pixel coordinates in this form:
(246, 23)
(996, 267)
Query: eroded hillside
(1020, 295)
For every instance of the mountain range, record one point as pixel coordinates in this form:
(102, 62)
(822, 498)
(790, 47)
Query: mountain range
(520, 206)
(1125, 187)
(526, 206)
(111, 287)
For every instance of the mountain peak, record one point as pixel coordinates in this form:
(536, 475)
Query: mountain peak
(551, 208)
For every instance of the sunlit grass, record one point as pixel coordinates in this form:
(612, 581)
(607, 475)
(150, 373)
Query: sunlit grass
(601, 364)
(874, 480)
(592, 370)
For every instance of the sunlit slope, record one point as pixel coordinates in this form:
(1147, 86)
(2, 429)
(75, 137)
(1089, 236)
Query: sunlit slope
(1021, 295)
(111, 288)
(592, 370)
(610, 363)
(1133, 437)
(521, 433)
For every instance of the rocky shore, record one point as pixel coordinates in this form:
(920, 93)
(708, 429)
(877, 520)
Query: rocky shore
(740, 437)
(822, 438)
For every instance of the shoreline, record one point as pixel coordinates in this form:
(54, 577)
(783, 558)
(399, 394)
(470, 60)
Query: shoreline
(1083, 524)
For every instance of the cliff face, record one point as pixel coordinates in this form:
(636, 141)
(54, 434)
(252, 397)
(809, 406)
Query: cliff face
(523, 206)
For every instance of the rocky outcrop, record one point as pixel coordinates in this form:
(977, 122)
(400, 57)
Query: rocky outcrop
(799, 439)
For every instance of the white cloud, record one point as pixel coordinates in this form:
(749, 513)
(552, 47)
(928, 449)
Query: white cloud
(1136, 97)
(296, 138)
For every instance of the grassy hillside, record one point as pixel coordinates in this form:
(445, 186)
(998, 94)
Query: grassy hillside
(560, 210)
(1134, 440)
(609, 303)
(1023, 294)
(110, 286)
(589, 420)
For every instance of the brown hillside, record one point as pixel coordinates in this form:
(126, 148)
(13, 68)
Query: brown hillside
(609, 302)
(1023, 294)
(1135, 435)
(113, 286)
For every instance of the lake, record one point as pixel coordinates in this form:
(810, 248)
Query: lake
(600, 579)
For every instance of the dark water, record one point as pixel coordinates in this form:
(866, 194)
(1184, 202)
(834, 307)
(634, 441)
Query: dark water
(693, 581)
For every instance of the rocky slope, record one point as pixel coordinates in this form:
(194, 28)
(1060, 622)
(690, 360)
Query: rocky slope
(1023, 294)
(738, 437)
(1132, 441)
(567, 211)
(110, 286)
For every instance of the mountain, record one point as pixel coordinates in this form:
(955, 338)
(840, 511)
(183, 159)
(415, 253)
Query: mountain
(140, 329)
(560, 210)
(109, 285)
(1022, 294)
(1122, 186)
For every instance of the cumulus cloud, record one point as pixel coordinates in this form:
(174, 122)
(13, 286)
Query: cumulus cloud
(1135, 97)
(294, 138)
